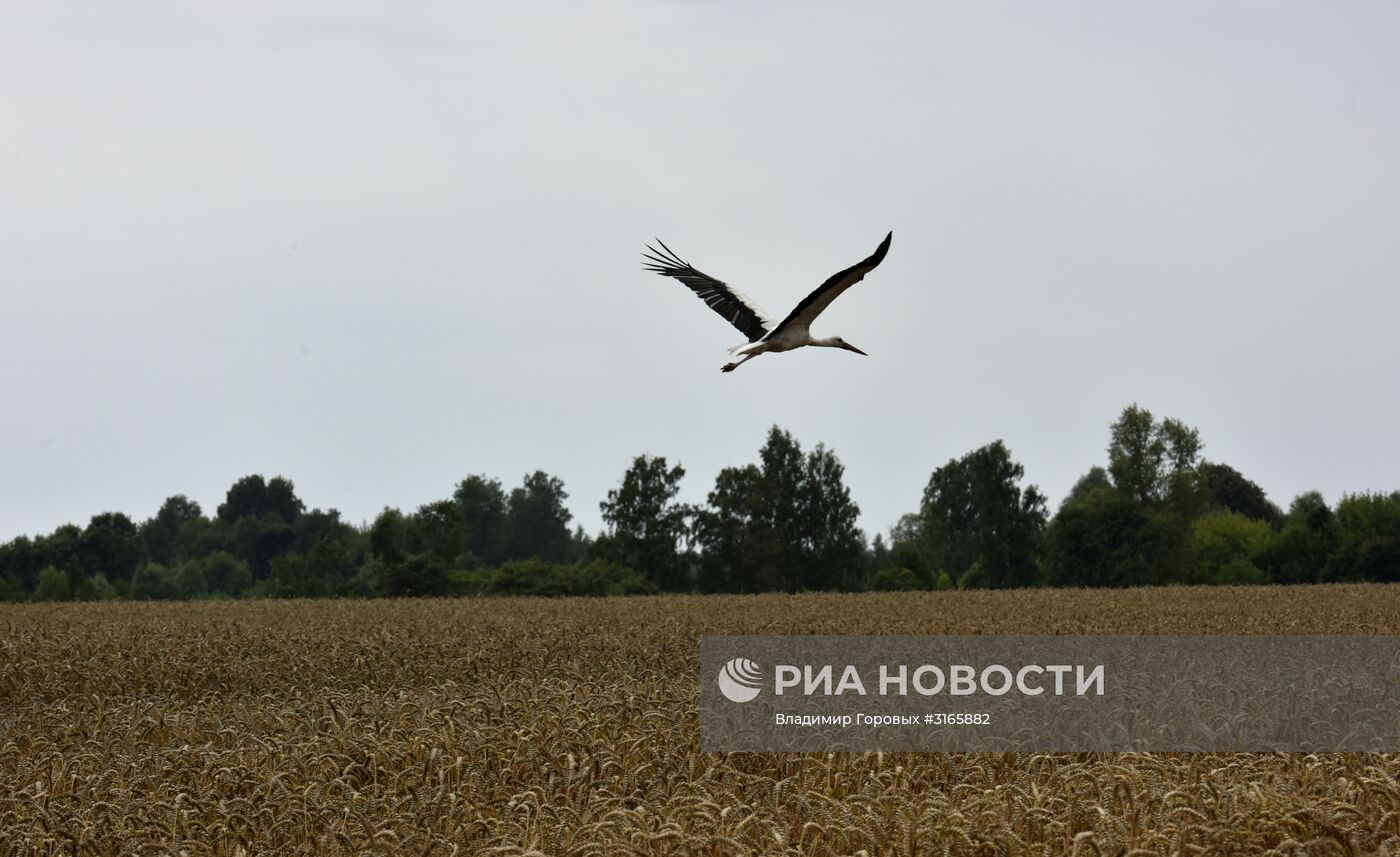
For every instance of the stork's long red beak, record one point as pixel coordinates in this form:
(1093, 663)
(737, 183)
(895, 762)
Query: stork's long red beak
(849, 347)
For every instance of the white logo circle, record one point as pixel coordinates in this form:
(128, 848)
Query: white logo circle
(740, 680)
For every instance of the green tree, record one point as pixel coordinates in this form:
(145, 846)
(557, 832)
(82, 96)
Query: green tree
(1095, 479)
(95, 588)
(878, 557)
(646, 526)
(537, 522)
(437, 529)
(62, 549)
(786, 524)
(293, 576)
(1156, 465)
(365, 582)
(483, 514)
(201, 537)
(388, 536)
(1308, 537)
(533, 577)
(1182, 445)
(974, 511)
(154, 582)
(739, 550)
(159, 534)
(1105, 538)
(1228, 546)
(252, 496)
(833, 547)
(190, 581)
(781, 490)
(20, 562)
(1228, 489)
(909, 547)
(420, 575)
(111, 545)
(580, 545)
(332, 563)
(1368, 543)
(10, 588)
(602, 578)
(53, 586)
(1135, 454)
(1148, 460)
(895, 580)
(312, 528)
(973, 578)
(224, 574)
(324, 555)
(259, 539)
(259, 516)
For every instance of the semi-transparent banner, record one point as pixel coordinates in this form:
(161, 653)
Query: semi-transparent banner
(1050, 694)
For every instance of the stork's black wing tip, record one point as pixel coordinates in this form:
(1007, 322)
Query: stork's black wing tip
(879, 255)
(666, 255)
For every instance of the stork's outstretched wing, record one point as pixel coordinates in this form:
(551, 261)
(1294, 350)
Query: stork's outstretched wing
(806, 312)
(731, 303)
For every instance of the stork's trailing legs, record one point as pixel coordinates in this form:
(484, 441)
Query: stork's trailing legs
(730, 367)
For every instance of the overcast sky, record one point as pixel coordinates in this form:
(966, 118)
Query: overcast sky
(377, 247)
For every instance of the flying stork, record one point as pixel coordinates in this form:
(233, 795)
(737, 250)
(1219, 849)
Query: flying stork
(737, 309)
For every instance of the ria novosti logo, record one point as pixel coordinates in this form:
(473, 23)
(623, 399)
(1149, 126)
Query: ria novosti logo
(740, 680)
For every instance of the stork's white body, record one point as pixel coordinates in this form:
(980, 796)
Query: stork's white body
(764, 334)
(785, 340)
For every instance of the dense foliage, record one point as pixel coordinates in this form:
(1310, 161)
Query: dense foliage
(1158, 513)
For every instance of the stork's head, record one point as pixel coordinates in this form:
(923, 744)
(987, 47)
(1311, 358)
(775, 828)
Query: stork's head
(838, 342)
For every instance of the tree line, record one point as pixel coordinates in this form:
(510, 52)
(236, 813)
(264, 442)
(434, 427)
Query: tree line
(1158, 513)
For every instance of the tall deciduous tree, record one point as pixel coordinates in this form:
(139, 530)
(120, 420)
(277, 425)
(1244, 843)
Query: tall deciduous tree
(537, 524)
(1228, 546)
(436, 529)
(1148, 459)
(1228, 489)
(388, 536)
(62, 549)
(483, 507)
(252, 496)
(1096, 478)
(1133, 525)
(646, 526)
(833, 546)
(161, 532)
(975, 512)
(909, 549)
(111, 546)
(1104, 537)
(1308, 537)
(786, 524)
(20, 562)
(259, 539)
(739, 549)
(1368, 544)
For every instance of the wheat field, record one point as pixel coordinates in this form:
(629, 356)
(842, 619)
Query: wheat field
(515, 726)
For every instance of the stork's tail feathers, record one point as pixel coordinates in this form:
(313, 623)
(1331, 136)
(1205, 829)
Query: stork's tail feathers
(747, 347)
